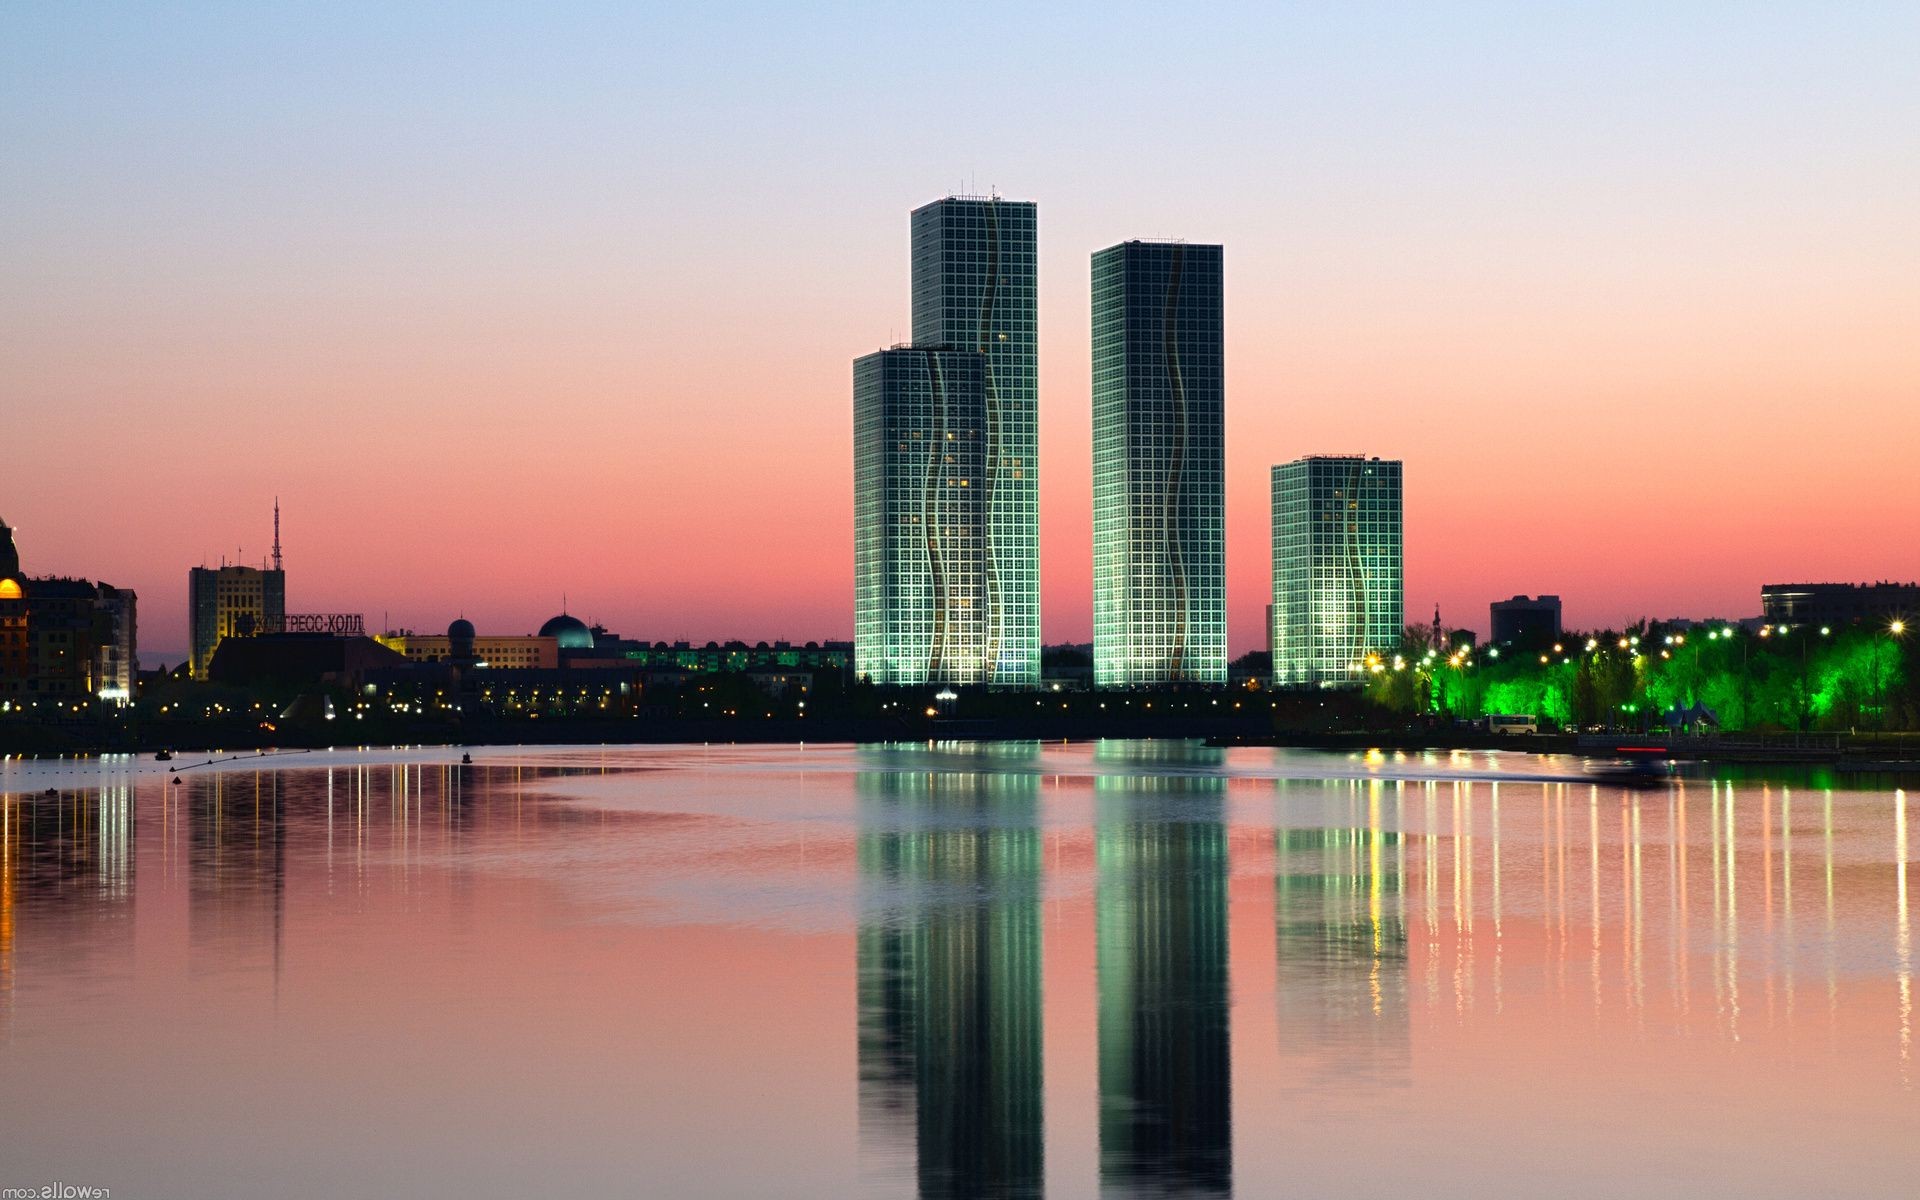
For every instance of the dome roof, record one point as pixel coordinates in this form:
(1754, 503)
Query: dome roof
(461, 628)
(572, 632)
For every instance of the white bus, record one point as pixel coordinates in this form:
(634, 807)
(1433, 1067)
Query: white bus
(1513, 724)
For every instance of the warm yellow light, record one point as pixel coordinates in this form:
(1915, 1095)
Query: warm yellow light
(1897, 628)
(9, 589)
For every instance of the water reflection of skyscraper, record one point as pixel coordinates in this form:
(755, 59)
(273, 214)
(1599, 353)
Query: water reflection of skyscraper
(236, 890)
(1341, 940)
(949, 972)
(1165, 1057)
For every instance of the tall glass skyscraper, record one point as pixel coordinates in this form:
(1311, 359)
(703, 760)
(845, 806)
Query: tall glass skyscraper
(1159, 461)
(920, 516)
(1338, 595)
(975, 287)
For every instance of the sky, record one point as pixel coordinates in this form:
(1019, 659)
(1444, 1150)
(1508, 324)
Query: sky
(511, 305)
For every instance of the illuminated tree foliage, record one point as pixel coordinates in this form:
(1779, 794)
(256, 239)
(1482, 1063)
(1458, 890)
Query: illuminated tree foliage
(1858, 677)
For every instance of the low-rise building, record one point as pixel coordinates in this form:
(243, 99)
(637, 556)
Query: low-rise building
(1524, 620)
(1835, 604)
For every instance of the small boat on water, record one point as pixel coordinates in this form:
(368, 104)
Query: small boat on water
(164, 756)
(466, 760)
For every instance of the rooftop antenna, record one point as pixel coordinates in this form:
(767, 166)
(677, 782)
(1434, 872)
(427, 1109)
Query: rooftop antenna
(276, 533)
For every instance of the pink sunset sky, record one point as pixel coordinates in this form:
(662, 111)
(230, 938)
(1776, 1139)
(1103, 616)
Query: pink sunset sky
(510, 305)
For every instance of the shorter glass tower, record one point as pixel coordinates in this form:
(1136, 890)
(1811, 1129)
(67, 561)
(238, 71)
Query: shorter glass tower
(1159, 466)
(920, 516)
(1338, 593)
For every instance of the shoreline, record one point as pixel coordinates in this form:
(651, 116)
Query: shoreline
(1844, 753)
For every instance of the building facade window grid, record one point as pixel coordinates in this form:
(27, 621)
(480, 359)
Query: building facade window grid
(975, 286)
(1338, 582)
(1159, 465)
(921, 597)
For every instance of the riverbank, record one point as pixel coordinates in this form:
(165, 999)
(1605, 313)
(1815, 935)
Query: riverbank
(1838, 751)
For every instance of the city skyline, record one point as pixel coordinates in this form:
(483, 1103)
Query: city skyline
(1491, 249)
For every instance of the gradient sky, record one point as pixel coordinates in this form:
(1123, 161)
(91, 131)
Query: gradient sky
(510, 302)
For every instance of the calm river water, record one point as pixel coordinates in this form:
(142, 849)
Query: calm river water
(1124, 968)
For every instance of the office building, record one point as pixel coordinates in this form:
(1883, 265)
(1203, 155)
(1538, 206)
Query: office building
(1837, 604)
(1524, 621)
(1159, 454)
(975, 288)
(1338, 601)
(232, 601)
(920, 503)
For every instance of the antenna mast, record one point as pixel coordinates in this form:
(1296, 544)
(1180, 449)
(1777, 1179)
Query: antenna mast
(276, 533)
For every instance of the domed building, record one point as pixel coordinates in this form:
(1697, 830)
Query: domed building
(463, 646)
(9, 562)
(460, 650)
(569, 631)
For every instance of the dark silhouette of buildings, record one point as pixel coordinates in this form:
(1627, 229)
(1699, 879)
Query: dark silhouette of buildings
(1523, 621)
(63, 642)
(1836, 604)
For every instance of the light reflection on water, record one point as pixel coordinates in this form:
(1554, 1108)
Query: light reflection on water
(1124, 969)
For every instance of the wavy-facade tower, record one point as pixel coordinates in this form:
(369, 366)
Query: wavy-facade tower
(920, 516)
(975, 287)
(1159, 465)
(1338, 574)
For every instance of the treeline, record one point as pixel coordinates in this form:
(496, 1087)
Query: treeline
(1652, 676)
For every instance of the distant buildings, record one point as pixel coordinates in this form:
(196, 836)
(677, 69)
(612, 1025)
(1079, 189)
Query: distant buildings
(1159, 457)
(1524, 621)
(1838, 603)
(464, 647)
(63, 640)
(975, 288)
(1338, 595)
